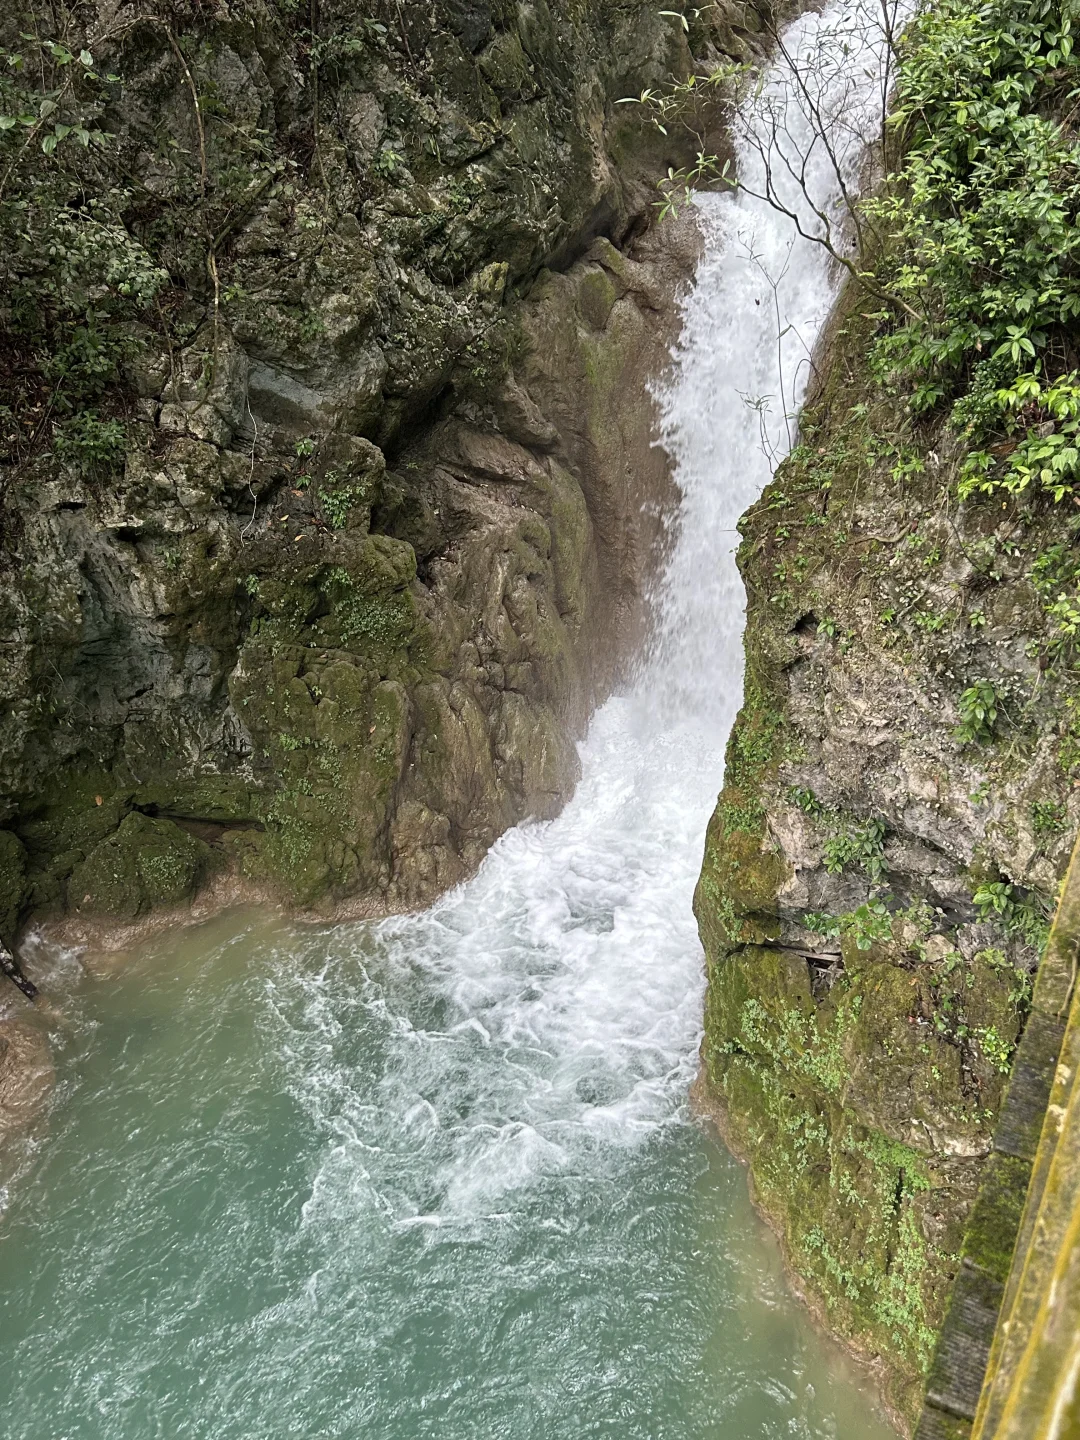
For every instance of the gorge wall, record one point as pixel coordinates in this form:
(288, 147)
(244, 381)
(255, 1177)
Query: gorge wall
(900, 797)
(328, 491)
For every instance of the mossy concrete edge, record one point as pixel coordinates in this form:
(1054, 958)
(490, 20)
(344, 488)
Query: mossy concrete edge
(973, 1347)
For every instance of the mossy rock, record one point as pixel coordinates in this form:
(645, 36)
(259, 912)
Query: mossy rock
(906, 1079)
(334, 737)
(222, 799)
(12, 883)
(760, 1005)
(736, 897)
(146, 863)
(73, 811)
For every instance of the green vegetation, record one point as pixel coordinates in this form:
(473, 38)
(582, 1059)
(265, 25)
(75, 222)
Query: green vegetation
(798, 1042)
(970, 246)
(866, 925)
(998, 1051)
(849, 1197)
(340, 500)
(1023, 915)
(850, 842)
(1048, 818)
(982, 247)
(857, 845)
(1056, 577)
(978, 713)
(72, 274)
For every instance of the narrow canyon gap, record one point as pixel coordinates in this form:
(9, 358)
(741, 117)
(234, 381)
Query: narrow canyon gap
(436, 1175)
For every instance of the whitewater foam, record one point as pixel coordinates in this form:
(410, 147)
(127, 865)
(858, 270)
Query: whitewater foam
(567, 976)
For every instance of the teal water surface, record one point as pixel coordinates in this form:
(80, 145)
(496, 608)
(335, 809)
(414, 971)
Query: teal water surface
(240, 1223)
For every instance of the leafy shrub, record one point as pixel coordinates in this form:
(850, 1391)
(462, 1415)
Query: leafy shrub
(84, 238)
(338, 501)
(861, 845)
(984, 249)
(806, 800)
(1056, 577)
(1018, 915)
(869, 923)
(89, 443)
(1044, 416)
(978, 713)
(996, 1049)
(1048, 818)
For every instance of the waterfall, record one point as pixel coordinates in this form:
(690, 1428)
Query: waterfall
(570, 968)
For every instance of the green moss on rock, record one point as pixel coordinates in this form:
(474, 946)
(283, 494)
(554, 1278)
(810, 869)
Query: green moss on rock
(862, 1008)
(854, 1202)
(220, 607)
(147, 863)
(12, 877)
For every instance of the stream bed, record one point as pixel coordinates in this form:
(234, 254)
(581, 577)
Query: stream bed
(437, 1176)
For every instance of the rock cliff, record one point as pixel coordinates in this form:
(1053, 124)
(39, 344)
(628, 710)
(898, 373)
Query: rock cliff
(901, 785)
(328, 491)
(862, 1008)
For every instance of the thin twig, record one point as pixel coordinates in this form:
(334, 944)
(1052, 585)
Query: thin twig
(211, 258)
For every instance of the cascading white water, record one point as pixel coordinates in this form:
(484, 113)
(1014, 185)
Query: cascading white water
(435, 1176)
(571, 963)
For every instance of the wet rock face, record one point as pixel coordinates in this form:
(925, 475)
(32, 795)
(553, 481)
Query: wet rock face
(882, 860)
(380, 536)
(144, 863)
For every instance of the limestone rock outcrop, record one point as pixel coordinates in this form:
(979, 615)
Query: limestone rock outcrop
(315, 584)
(881, 863)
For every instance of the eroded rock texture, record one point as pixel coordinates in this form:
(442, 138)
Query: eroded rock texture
(881, 863)
(385, 501)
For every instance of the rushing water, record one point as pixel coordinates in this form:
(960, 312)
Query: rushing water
(436, 1176)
